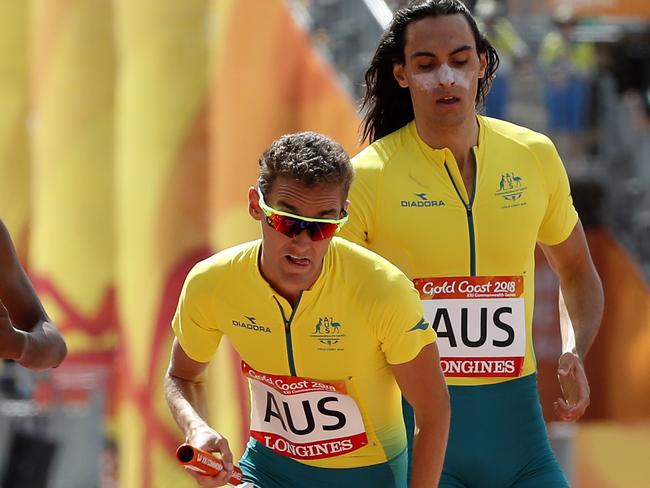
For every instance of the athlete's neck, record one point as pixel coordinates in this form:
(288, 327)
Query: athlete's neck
(288, 289)
(459, 138)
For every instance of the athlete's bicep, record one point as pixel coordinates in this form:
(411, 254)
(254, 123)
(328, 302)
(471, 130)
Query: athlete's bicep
(570, 255)
(184, 367)
(421, 380)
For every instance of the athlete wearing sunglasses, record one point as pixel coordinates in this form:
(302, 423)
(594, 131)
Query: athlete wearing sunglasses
(329, 334)
(298, 223)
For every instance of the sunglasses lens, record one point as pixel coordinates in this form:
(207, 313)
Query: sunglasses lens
(288, 226)
(292, 227)
(321, 230)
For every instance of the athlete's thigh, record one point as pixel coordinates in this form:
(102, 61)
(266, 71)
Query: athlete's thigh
(543, 471)
(551, 478)
(449, 481)
(266, 469)
(260, 479)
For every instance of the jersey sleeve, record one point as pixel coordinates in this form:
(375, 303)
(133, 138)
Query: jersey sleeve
(193, 322)
(363, 196)
(401, 327)
(560, 217)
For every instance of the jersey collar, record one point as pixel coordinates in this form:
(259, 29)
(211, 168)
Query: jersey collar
(439, 156)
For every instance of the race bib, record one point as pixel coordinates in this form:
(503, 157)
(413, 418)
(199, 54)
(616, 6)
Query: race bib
(304, 418)
(480, 322)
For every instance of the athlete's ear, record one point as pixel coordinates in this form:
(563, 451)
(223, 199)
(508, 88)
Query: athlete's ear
(254, 204)
(400, 76)
(346, 205)
(482, 58)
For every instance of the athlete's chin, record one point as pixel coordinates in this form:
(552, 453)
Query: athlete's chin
(451, 114)
(450, 118)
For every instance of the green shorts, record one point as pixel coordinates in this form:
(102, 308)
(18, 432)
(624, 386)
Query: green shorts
(266, 469)
(497, 438)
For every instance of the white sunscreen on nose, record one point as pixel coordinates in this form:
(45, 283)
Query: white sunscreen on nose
(443, 76)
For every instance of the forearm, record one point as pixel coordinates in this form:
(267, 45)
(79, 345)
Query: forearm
(43, 347)
(430, 443)
(187, 402)
(581, 310)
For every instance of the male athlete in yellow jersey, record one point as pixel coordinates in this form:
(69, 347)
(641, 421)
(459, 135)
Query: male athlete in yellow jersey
(458, 202)
(329, 334)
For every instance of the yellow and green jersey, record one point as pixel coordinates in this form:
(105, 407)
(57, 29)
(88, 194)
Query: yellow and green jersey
(470, 256)
(322, 388)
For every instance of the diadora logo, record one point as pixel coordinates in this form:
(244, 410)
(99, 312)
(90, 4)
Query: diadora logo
(327, 331)
(511, 187)
(251, 324)
(422, 200)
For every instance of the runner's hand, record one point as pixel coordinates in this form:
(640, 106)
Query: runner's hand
(12, 341)
(575, 388)
(209, 440)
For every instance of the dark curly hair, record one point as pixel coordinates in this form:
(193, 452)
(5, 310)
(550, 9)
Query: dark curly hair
(309, 158)
(386, 105)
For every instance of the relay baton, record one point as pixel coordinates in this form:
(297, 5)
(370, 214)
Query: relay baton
(205, 463)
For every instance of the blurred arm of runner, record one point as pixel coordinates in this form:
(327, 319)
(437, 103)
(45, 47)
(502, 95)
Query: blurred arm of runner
(26, 333)
(423, 385)
(581, 310)
(186, 394)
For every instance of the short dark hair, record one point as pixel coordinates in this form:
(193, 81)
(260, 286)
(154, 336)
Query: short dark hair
(309, 158)
(386, 105)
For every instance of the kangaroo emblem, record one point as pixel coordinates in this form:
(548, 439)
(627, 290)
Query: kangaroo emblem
(319, 326)
(502, 183)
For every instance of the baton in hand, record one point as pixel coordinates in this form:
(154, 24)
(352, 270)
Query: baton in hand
(205, 463)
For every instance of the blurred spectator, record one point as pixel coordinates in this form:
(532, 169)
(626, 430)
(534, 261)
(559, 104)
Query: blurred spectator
(511, 48)
(567, 67)
(631, 65)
